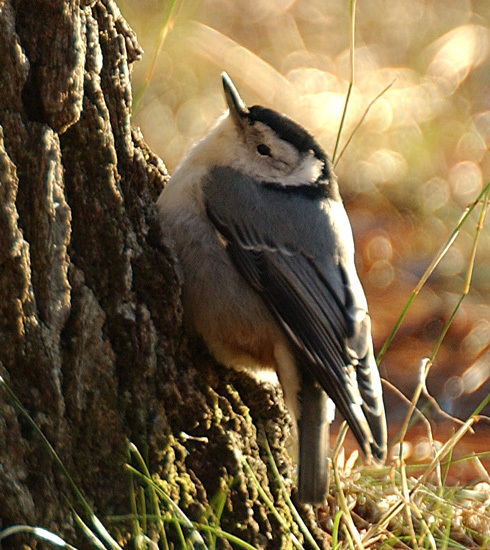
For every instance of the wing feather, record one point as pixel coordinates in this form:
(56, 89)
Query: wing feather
(304, 281)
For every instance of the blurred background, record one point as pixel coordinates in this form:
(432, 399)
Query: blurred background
(418, 160)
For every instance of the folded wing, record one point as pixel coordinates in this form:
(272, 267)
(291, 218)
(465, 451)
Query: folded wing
(291, 253)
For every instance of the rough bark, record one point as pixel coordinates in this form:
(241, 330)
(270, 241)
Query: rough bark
(91, 337)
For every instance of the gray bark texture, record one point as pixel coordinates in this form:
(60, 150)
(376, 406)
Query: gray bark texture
(91, 337)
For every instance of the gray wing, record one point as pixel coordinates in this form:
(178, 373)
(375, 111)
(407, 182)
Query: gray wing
(290, 253)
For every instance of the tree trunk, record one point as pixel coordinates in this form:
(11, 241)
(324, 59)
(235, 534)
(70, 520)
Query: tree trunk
(90, 317)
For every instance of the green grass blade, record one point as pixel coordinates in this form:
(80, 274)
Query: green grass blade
(268, 502)
(335, 530)
(180, 517)
(54, 455)
(154, 503)
(469, 274)
(38, 532)
(299, 520)
(430, 269)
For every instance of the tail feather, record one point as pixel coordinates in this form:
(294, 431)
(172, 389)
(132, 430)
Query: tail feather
(313, 443)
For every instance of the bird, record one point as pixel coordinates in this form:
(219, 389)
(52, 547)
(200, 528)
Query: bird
(269, 279)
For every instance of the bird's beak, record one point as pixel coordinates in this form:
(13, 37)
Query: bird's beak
(238, 109)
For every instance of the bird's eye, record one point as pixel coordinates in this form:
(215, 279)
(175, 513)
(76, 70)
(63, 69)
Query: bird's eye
(264, 150)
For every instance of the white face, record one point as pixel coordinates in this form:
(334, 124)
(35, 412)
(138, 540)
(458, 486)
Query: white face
(263, 154)
(255, 150)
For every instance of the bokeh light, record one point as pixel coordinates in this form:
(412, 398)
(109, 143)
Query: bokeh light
(412, 168)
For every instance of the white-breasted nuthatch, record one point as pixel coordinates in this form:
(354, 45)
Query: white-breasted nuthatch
(269, 278)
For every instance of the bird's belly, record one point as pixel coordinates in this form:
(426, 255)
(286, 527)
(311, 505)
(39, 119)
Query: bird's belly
(221, 307)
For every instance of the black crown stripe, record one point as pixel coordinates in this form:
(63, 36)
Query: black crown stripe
(291, 132)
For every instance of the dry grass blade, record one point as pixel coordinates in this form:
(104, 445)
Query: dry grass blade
(424, 367)
(420, 415)
(415, 496)
(167, 25)
(358, 125)
(406, 501)
(349, 522)
(352, 7)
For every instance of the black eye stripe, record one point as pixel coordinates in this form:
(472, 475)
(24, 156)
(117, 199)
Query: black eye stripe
(264, 150)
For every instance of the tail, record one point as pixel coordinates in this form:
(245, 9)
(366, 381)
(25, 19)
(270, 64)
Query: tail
(313, 433)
